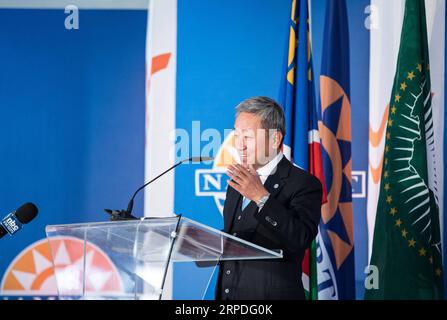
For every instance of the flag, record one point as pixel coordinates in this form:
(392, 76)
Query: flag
(407, 244)
(386, 15)
(336, 238)
(297, 96)
(161, 56)
(161, 47)
(436, 47)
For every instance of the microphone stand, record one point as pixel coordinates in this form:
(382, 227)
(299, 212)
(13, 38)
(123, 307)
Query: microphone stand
(118, 215)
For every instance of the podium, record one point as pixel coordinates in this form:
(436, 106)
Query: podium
(147, 259)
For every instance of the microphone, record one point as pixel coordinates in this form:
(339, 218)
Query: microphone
(13, 222)
(126, 214)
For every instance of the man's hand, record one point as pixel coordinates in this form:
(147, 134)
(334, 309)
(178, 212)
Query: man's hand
(246, 181)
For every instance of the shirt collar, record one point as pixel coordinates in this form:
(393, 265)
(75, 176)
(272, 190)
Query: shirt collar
(267, 169)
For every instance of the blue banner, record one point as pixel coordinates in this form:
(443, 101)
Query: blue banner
(336, 228)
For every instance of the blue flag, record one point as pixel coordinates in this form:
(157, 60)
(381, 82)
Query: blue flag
(336, 239)
(297, 88)
(297, 96)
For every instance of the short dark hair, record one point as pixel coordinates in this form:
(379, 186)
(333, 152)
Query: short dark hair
(270, 112)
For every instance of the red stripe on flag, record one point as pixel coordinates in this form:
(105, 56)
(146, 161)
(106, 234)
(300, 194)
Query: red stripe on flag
(316, 165)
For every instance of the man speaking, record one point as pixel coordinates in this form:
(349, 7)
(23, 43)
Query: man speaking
(269, 202)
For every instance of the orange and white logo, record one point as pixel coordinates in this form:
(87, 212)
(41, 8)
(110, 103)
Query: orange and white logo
(213, 182)
(32, 272)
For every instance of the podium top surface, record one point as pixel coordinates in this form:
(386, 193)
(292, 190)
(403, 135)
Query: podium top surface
(150, 240)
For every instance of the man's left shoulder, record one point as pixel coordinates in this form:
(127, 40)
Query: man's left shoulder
(300, 175)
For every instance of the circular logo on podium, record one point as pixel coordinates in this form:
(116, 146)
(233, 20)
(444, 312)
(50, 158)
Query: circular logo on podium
(32, 272)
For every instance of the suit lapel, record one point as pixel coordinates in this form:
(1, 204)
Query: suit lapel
(276, 181)
(250, 209)
(273, 184)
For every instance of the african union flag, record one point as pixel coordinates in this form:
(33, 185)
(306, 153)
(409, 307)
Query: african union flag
(407, 242)
(335, 243)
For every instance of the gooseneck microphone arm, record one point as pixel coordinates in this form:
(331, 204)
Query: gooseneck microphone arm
(130, 205)
(127, 214)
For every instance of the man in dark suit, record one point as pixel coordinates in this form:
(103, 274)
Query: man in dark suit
(269, 202)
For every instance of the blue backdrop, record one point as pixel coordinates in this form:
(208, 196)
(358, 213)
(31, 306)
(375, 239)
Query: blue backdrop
(71, 116)
(72, 104)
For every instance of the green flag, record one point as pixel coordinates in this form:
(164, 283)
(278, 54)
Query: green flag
(407, 246)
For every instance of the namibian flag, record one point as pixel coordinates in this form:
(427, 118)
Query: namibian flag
(336, 237)
(297, 96)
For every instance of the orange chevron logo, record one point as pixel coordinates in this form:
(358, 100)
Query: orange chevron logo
(160, 62)
(375, 137)
(376, 171)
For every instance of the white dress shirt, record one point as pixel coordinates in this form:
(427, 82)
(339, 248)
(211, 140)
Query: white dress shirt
(268, 169)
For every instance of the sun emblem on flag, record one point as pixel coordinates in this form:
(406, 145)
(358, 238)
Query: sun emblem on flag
(335, 132)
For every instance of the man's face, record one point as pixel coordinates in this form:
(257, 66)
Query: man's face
(254, 144)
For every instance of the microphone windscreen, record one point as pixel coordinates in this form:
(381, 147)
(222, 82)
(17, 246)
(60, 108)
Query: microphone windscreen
(26, 212)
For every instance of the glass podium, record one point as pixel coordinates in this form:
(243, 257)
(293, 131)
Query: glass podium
(135, 259)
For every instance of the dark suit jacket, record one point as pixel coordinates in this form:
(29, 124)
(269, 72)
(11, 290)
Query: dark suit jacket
(288, 221)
